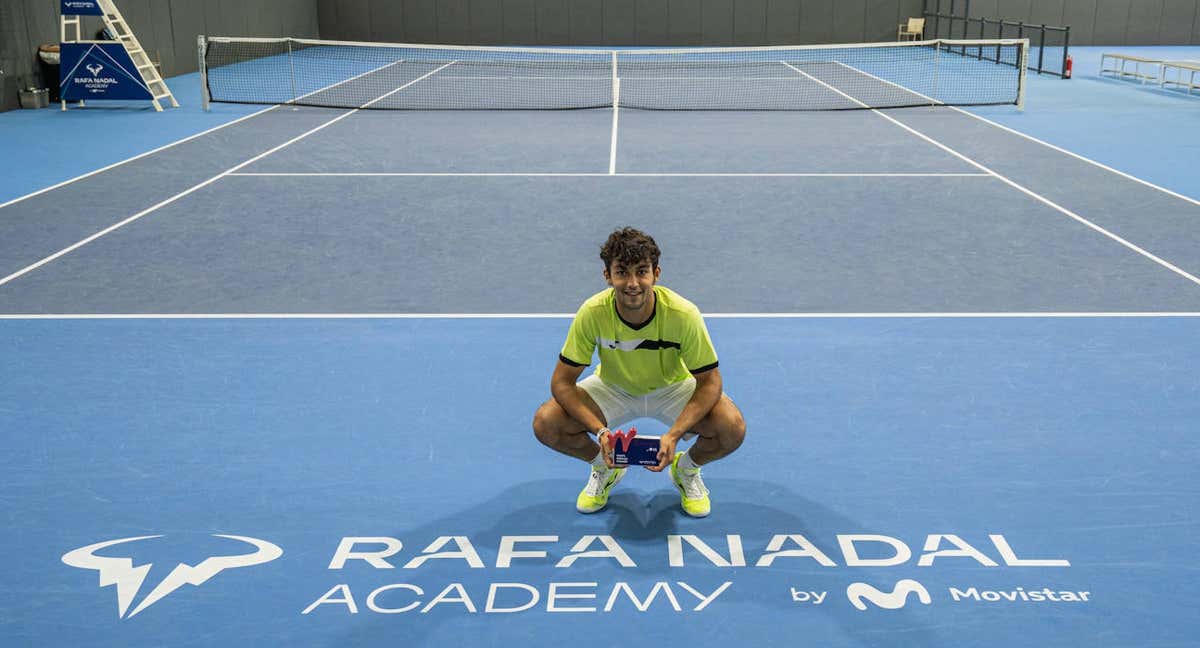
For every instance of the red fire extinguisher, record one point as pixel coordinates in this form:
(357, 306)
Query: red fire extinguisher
(1067, 69)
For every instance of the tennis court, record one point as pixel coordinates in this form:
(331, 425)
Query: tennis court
(273, 384)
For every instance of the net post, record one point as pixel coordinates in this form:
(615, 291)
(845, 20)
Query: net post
(201, 49)
(292, 70)
(1022, 57)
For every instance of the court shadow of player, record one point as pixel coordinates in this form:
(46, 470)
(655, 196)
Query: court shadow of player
(639, 519)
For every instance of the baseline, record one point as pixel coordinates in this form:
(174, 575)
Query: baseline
(369, 316)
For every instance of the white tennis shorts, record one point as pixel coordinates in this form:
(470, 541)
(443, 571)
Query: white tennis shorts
(620, 407)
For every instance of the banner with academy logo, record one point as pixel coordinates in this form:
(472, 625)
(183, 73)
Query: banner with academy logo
(81, 8)
(99, 71)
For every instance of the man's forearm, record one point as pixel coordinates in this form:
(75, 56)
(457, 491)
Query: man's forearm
(568, 398)
(703, 400)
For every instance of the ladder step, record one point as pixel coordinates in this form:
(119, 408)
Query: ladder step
(162, 96)
(145, 66)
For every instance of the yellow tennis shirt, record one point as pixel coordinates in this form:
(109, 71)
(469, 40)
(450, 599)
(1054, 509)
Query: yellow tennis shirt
(672, 344)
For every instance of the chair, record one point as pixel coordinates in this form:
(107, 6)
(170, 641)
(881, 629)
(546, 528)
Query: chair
(912, 30)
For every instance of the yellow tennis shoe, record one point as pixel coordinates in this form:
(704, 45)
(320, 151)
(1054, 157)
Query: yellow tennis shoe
(692, 493)
(594, 496)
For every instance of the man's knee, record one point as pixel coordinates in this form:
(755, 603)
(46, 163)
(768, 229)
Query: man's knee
(545, 423)
(731, 427)
(737, 432)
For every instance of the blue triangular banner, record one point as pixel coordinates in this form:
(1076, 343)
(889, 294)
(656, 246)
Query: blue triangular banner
(99, 71)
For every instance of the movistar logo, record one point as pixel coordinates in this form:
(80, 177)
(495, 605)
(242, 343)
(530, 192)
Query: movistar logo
(128, 578)
(893, 600)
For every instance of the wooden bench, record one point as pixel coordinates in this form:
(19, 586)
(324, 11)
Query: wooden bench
(1181, 68)
(1121, 61)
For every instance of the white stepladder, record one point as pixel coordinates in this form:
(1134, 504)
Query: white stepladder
(120, 30)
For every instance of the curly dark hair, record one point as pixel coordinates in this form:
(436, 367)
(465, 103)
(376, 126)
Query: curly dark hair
(628, 246)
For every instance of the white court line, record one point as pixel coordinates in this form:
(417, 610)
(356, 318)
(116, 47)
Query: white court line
(965, 112)
(605, 77)
(632, 175)
(890, 315)
(1031, 138)
(186, 139)
(1082, 158)
(111, 228)
(136, 157)
(616, 89)
(1164, 263)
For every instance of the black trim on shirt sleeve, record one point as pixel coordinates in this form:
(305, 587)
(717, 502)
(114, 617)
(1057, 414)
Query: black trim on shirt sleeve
(697, 372)
(567, 361)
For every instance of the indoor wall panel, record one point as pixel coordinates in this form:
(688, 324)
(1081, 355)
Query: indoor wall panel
(849, 19)
(716, 23)
(1144, 22)
(783, 22)
(1112, 18)
(750, 22)
(1178, 17)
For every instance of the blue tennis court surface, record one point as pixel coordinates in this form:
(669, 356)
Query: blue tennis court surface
(1012, 455)
(273, 385)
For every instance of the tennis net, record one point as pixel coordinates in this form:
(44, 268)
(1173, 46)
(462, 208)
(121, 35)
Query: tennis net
(434, 77)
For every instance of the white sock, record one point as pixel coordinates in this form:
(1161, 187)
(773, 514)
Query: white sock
(686, 464)
(598, 461)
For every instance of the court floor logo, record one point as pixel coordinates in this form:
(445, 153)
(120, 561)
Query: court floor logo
(128, 578)
(893, 600)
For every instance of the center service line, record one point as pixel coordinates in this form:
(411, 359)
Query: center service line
(612, 152)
